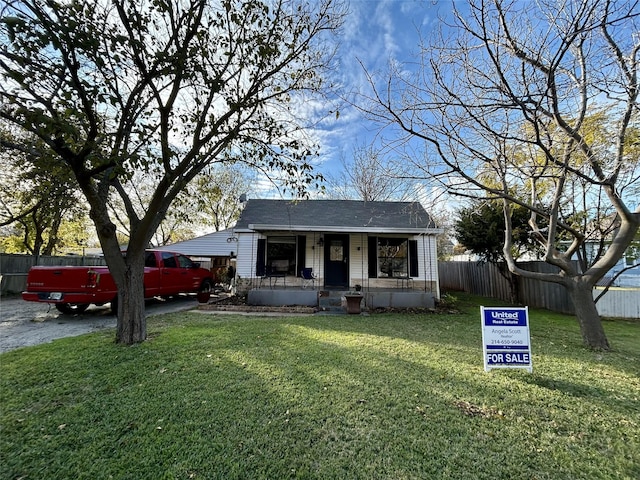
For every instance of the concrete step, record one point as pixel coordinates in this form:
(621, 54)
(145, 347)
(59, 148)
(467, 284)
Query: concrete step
(330, 297)
(330, 301)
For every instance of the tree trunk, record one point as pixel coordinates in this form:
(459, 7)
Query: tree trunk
(514, 287)
(132, 326)
(591, 327)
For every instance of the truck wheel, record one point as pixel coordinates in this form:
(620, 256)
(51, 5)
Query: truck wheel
(71, 308)
(114, 306)
(206, 286)
(204, 294)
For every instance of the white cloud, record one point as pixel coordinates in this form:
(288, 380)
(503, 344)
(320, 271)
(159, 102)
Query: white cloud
(376, 34)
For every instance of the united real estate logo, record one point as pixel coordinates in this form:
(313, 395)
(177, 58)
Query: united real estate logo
(505, 338)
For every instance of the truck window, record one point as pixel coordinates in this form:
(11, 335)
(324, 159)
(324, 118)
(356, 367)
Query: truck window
(185, 262)
(150, 259)
(169, 260)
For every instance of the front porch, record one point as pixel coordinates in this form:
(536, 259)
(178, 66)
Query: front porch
(333, 300)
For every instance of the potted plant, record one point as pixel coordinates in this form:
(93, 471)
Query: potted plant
(203, 296)
(354, 301)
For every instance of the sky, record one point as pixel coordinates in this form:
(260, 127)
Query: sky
(375, 33)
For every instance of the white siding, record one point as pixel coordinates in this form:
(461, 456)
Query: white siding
(247, 249)
(358, 260)
(314, 256)
(427, 257)
(428, 261)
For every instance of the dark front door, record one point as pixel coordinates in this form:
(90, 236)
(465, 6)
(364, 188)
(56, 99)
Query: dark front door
(336, 261)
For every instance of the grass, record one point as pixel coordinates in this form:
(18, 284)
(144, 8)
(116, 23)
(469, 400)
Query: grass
(386, 396)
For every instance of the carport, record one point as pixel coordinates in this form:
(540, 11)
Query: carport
(218, 248)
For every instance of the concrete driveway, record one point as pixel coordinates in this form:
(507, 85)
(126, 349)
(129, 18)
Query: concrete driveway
(31, 323)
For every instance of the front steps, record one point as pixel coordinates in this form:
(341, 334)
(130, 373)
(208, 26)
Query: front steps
(330, 301)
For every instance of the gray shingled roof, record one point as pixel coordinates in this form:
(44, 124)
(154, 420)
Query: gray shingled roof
(343, 214)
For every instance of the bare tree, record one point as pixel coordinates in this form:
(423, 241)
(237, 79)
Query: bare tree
(505, 103)
(370, 176)
(162, 88)
(216, 193)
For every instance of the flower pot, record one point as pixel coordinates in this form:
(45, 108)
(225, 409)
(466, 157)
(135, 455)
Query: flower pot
(353, 303)
(203, 297)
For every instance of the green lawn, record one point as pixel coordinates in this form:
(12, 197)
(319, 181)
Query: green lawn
(385, 396)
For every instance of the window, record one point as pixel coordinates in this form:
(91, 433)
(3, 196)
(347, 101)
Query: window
(185, 262)
(336, 251)
(392, 257)
(281, 255)
(150, 259)
(632, 255)
(168, 260)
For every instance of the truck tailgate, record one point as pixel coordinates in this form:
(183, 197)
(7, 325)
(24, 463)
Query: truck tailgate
(52, 283)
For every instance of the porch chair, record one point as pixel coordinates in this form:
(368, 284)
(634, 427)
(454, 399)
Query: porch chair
(308, 277)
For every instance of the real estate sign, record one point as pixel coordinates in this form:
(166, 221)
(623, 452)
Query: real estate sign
(505, 337)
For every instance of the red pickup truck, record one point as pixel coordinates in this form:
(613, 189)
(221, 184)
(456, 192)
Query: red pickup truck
(73, 289)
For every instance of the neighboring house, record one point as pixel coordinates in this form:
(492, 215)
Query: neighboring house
(347, 243)
(629, 265)
(600, 236)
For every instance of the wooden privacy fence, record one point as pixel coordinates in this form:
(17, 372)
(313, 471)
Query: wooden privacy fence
(14, 268)
(485, 279)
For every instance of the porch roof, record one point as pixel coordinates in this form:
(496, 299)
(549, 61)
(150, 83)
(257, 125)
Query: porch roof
(336, 216)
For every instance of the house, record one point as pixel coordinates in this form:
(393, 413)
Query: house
(626, 272)
(349, 244)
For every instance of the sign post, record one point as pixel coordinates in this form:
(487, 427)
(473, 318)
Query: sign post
(505, 338)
